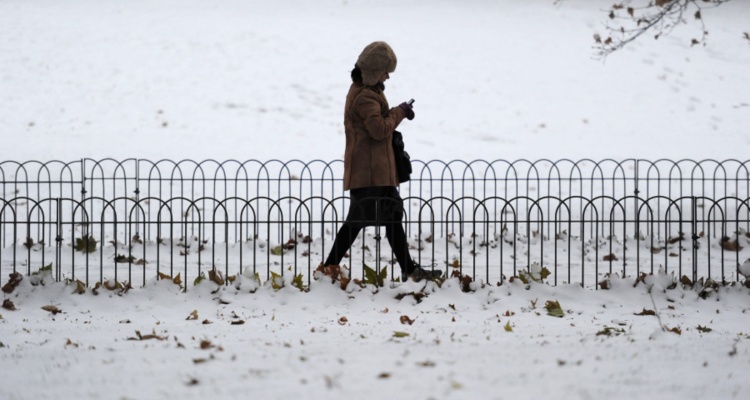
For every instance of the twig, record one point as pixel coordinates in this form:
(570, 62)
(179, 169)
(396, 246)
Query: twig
(656, 312)
(660, 17)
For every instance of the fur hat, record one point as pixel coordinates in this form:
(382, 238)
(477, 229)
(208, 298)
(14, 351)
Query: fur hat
(376, 59)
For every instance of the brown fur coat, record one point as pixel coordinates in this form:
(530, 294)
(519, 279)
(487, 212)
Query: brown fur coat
(369, 124)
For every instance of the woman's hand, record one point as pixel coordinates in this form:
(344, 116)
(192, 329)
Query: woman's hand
(408, 110)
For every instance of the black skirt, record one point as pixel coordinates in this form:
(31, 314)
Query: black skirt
(378, 205)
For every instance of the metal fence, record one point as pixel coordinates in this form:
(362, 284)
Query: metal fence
(97, 220)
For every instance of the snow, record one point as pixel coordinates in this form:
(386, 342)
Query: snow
(329, 343)
(266, 80)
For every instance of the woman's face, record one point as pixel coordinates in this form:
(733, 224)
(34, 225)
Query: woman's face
(385, 77)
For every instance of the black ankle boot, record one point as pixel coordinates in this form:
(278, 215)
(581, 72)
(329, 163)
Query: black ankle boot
(419, 273)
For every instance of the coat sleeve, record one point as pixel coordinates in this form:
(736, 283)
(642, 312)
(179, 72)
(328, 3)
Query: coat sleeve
(378, 127)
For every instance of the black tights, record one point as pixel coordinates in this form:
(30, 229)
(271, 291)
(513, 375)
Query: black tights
(371, 206)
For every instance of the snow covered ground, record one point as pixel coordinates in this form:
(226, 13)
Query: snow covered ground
(496, 342)
(266, 80)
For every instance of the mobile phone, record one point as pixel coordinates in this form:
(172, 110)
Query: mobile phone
(410, 102)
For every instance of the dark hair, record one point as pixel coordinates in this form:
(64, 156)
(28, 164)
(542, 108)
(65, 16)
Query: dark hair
(357, 75)
(357, 78)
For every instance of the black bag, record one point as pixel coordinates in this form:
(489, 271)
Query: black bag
(403, 161)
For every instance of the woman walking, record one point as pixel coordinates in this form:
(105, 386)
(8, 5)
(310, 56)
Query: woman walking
(369, 164)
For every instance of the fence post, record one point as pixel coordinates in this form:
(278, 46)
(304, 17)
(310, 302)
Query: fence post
(637, 232)
(694, 235)
(137, 196)
(83, 179)
(58, 242)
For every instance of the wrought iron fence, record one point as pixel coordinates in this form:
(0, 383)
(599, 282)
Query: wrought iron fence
(561, 221)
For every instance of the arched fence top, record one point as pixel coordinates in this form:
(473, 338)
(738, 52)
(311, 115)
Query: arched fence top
(574, 236)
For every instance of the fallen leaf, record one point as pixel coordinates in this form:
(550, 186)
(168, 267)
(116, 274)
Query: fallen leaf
(80, 287)
(15, 279)
(206, 344)
(417, 295)
(54, 310)
(553, 309)
(730, 245)
(214, 275)
(150, 336)
(8, 305)
(609, 331)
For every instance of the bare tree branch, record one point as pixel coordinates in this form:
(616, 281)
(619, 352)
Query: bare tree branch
(630, 19)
